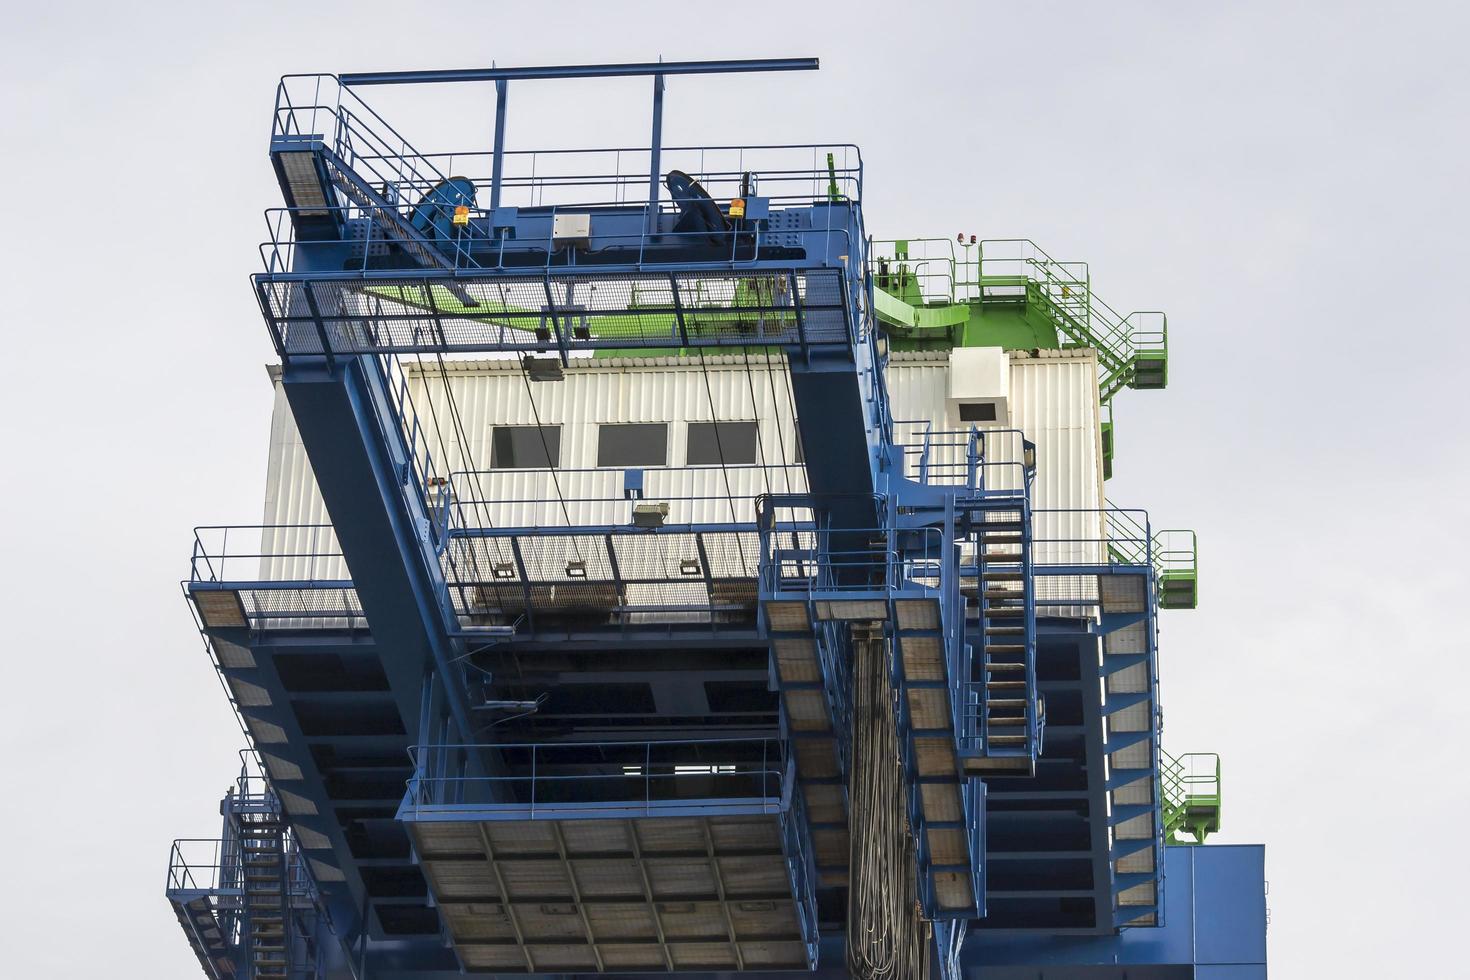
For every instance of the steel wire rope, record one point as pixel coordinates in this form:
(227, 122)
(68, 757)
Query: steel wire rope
(550, 463)
(885, 928)
(462, 443)
(720, 451)
(796, 434)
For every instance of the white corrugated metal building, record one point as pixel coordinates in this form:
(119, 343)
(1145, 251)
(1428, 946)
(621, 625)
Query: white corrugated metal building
(1053, 399)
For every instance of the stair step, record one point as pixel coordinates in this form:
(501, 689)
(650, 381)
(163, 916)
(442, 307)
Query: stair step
(1007, 739)
(1002, 576)
(1006, 665)
(1005, 685)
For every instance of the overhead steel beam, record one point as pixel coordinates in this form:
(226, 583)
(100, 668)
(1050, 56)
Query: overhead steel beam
(577, 71)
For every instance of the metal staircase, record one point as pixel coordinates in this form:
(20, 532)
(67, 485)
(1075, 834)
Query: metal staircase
(1191, 792)
(263, 871)
(244, 899)
(1009, 715)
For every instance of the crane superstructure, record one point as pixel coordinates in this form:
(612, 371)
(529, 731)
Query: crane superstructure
(661, 575)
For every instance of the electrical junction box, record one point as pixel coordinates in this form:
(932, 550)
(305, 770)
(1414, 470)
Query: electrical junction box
(572, 229)
(980, 386)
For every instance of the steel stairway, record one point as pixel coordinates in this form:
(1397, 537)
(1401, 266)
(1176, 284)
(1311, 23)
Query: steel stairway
(1001, 624)
(263, 873)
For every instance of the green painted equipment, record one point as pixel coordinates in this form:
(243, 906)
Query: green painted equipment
(1176, 561)
(937, 293)
(1191, 795)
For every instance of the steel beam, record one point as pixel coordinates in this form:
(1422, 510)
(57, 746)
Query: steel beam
(578, 71)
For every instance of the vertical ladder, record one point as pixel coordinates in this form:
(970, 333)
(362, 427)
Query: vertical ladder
(1005, 701)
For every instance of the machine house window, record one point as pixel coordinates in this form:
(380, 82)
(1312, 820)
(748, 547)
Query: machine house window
(525, 447)
(633, 444)
(713, 443)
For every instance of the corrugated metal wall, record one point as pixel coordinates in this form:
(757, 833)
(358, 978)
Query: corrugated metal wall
(1053, 399)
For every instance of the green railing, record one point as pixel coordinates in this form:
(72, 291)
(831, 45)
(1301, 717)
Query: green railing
(1174, 554)
(926, 273)
(1176, 564)
(1190, 790)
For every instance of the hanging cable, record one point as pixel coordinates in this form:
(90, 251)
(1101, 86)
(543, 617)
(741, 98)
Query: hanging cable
(720, 451)
(886, 936)
(550, 463)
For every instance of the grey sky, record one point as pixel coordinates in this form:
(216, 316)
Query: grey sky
(1286, 180)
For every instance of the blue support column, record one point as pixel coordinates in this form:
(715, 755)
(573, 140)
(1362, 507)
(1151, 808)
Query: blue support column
(497, 162)
(655, 153)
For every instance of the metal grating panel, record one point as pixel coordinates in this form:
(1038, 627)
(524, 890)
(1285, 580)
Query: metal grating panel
(594, 896)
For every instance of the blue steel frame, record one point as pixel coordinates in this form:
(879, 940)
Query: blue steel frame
(340, 347)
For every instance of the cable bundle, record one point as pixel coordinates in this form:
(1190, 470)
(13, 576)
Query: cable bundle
(886, 937)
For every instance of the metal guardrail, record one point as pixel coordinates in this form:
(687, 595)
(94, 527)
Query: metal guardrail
(593, 497)
(802, 559)
(320, 105)
(561, 780)
(1121, 537)
(578, 310)
(981, 460)
(1175, 550)
(286, 576)
(268, 554)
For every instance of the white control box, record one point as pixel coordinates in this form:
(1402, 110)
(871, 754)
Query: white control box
(572, 229)
(979, 386)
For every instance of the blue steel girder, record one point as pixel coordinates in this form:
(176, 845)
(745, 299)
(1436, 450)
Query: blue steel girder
(364, 469)
(302, 764)
(265, 707)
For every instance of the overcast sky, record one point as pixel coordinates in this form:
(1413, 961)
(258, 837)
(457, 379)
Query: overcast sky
(1286, 180)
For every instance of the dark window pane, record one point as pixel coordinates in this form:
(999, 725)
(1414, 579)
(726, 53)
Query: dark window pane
(731, 443)
(525, 447)
(978, 412)
(635, 444)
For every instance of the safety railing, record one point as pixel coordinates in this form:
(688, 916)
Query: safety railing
(619, 240)
(1073, 536)
(202, 866)
(618, 176)
(562, 780)
(578, 309)
(996, 461)
(267, 553)
(1176, 551)
(593, 497)
(809, 559)
(319, 105)
(1190, 785)
(287, 576)
(210, 867)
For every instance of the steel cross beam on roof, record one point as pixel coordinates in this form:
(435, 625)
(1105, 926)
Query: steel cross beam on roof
(578, 71)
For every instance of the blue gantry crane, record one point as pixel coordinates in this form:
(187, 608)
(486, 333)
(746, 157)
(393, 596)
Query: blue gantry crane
(875, 709)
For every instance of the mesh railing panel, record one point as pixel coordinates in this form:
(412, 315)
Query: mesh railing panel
(502, 313)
